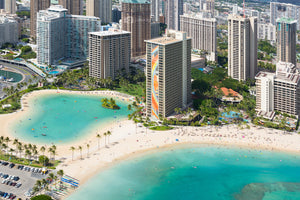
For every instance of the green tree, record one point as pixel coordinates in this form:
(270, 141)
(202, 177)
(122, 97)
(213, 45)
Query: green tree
(42, 197)
(44, 160)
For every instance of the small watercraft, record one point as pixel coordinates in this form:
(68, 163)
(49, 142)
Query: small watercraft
(43, 134)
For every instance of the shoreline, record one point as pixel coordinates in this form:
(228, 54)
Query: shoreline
(128, 140)
(86, 169)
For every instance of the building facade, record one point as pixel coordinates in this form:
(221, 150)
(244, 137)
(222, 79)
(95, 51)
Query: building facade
(203, 32)
(62, 36)
(286, 40)
(1, 4)
(173, 10)
(279, 91)
(10, 6)
(280, 10)
(100, 8)
(109, 52)
(168, 74)
(207, 6)
(266, 32)
(35, 7)
(242, 47)
(155, 7)
(136, 18)
(74, 7)
(9, 31)
(116, 15)
(155, 29)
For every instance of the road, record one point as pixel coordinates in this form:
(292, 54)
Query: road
(26, 72)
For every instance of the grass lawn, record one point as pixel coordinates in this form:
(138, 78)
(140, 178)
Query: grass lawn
(161, 128)
(132, 89)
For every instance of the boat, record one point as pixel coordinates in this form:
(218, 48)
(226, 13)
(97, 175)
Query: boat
(10, 80)
(43, 134)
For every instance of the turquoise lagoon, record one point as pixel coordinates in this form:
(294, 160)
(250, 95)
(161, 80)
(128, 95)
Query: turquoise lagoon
(198, 172)
(62, 118)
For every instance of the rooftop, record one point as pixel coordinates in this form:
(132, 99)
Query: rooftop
(109, 32)
(136, 1)
(286, 20)
(164, 40)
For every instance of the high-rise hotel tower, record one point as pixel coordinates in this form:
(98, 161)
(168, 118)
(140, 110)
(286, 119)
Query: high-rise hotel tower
(168, 74)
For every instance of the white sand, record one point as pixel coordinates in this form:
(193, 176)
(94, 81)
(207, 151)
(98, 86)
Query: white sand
(127, 139)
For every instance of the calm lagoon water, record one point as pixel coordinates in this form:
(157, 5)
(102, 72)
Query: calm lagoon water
(198, 172)
(65, 118)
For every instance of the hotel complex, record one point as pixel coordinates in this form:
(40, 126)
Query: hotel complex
(62, 36)
(109, 51)
(173, 10)
(35, 7)
(242, 47)
(100, 8)
(9, 31)
(168, 74)
(74, 7)
(203, 32)
(284, 10)
(286, 40)
(278, 91)
(136, 18)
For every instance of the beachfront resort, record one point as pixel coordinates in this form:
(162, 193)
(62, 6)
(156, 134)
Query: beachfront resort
(149, 100)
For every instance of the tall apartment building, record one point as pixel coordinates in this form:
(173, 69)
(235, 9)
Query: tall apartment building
(109, 51)
(62, 36)
(10, 6)
(242, 47)
(280, 10)
(74, 7)
(207, 6)
(203, 32)
(136, 18)
(168, 74)
(279, 91)
(155, 7)
(116, 15)
(173, 10)
(266, 32)
(9, 30)
(286, 40)
(155, 30)
(2, 4)
(35, 7)
(100, 8)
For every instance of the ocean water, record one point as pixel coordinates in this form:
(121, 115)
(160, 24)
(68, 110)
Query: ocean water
(65, 118)
(198, 172)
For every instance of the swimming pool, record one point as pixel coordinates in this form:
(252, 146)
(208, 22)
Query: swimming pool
(63, 118)
(54, 72)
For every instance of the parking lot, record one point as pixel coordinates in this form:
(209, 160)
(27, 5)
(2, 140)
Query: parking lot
(26, 177)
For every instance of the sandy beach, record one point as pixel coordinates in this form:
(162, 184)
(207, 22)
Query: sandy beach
(128, 139)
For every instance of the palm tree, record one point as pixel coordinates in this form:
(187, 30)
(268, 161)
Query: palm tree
(99, 137)
(20, 149)
(72, 149)
(108, 134)
(105, 134)
(28, 153)
(7, 140)
(80, 149)
(50, 151)
(4, 146)
(43, 149)
(88, 148)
